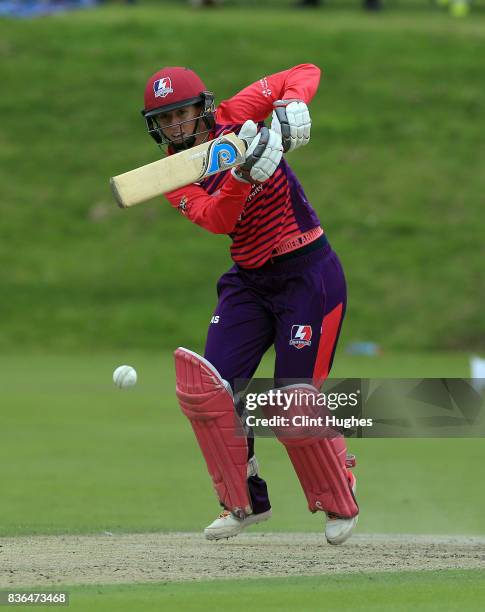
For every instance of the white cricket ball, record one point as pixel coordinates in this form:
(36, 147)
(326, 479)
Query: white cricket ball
(125, 377)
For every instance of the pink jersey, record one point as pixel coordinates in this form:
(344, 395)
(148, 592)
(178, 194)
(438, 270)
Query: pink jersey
(259, 218)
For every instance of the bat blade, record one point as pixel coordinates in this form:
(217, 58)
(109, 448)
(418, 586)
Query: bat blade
(178, 170)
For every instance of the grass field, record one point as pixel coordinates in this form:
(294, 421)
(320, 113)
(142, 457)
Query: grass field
(96, 458)
(430, 591)
(393, 169)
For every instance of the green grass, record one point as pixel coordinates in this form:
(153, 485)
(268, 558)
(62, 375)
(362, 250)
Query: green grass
(441, 591)
(394, 170)
(78, 455)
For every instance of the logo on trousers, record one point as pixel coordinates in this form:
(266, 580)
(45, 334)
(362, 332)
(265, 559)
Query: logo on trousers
(301, 335)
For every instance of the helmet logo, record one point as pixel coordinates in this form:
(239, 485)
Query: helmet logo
(162, 87)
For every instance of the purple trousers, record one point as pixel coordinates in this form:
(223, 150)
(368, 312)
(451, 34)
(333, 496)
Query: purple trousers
(297, 305)
(286, 304)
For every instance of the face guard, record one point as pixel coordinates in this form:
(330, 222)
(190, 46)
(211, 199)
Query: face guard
(206, 118)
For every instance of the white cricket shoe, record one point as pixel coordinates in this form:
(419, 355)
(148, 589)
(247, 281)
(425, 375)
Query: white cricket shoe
(337, 530)
(227, 525)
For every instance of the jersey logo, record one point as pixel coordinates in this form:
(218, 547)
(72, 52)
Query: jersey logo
(183, 205)
(301, 335)
(254, 192)
(265, 90)
(162, 87)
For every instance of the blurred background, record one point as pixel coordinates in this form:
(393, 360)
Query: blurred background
(394, 169)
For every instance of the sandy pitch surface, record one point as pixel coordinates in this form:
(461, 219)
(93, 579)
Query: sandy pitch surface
(165, 557)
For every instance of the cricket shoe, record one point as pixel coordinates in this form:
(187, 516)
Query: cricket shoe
(337, 529)
(227, 525)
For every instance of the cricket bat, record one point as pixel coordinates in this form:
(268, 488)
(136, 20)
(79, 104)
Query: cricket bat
(178, 170)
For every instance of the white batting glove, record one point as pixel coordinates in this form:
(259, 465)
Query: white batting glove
(262, 156)
(292, 120)
(248, 132)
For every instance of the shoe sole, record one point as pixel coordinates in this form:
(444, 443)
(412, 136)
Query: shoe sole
(254, 519)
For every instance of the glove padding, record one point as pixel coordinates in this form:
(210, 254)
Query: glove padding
(262, 156)
(292, 120)
(248, 132)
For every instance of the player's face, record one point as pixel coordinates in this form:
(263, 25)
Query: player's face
(179, 123)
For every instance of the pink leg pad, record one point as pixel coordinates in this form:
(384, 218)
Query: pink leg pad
(319, 457)
(207, 402)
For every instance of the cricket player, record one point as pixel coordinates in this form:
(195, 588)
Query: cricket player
(286, 288)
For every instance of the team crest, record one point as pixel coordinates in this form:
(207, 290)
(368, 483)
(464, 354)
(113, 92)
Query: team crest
(183, 205)
(301, 335)
(162, 87)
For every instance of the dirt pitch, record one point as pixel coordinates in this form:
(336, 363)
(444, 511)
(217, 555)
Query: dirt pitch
(162, 557)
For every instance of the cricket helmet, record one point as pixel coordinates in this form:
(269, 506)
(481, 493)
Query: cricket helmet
(172, 88)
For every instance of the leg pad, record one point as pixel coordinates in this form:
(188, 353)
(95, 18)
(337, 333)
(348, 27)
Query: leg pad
(319, 457)
(206, 400)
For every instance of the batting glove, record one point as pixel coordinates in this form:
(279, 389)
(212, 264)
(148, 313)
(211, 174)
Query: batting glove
(292, 120)
(262, 156)
(248, 132)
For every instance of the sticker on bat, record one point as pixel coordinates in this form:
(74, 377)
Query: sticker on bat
(222, 155)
